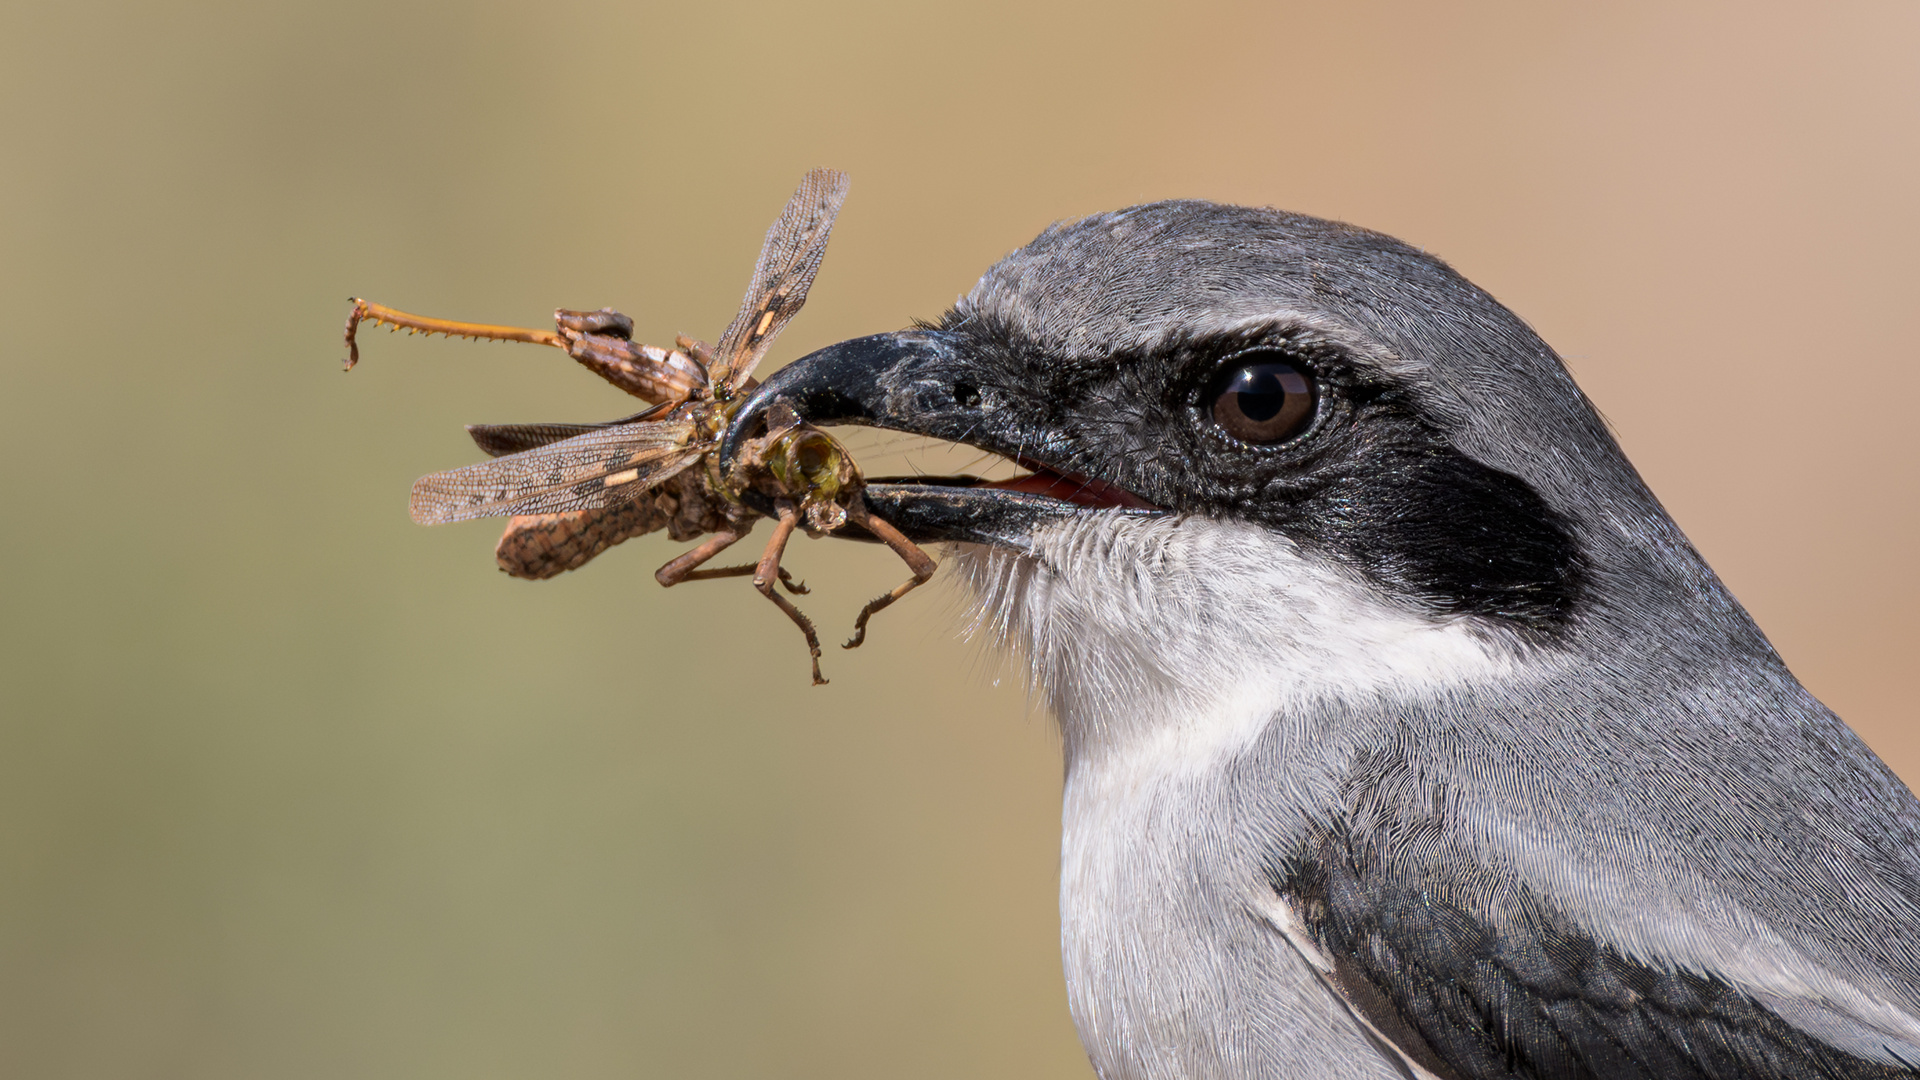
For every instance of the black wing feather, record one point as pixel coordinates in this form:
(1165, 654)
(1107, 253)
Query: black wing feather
(1501, 985)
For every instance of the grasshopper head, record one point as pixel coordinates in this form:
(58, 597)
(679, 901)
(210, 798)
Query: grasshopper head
(814, 471)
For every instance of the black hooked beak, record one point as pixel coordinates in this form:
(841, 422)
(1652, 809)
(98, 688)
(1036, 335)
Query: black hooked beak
(921, 382)
(855, 382)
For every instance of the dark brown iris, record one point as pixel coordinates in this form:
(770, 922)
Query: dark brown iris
(1264, 402)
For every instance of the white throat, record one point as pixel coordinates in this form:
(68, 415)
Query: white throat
(1192, 634)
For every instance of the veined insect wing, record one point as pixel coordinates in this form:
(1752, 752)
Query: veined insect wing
(499, 440)
(789, 259)
(605, 467)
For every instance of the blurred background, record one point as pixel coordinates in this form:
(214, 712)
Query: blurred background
(290, 787)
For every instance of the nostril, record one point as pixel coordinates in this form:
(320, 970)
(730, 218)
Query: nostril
(966, 395)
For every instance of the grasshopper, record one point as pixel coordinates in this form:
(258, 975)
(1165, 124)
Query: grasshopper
(573, 490)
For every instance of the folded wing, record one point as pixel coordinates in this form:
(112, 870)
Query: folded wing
(603, 467)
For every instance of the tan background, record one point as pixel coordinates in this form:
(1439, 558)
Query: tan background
(292, 788)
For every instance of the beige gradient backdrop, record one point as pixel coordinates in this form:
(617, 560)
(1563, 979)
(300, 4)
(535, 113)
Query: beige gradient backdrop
(292, 788)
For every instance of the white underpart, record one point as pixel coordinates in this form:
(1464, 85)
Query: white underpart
(1166, 647)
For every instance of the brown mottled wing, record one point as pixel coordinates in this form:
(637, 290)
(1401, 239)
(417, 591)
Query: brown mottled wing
(499, 440)
(607, 467)
(788, 260)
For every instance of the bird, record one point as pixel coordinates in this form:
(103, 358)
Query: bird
(1405, 734)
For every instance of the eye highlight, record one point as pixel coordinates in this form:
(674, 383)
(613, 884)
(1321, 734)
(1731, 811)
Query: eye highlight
(1263, 401)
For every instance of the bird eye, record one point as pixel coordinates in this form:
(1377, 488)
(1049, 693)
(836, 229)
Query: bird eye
(1264, 402)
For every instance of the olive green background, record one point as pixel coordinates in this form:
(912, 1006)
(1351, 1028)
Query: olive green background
(292, 788)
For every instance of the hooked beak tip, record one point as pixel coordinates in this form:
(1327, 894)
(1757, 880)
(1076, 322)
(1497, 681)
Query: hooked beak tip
(840, 384)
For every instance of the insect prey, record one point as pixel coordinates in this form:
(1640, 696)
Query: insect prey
(573, 490)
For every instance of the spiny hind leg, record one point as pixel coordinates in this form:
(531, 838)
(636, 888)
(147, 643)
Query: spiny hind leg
(395, 319)
(768, 571)
(599, 340)
(917, 560)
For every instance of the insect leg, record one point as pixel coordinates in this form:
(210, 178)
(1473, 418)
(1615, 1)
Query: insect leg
(648, 372)
(701, 352)
(597, 339)
(796, 587)
(683, 568)
(395, 319)
(917, 560)
(769, 568)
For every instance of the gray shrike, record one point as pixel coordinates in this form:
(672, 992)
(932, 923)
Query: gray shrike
(1405, 733)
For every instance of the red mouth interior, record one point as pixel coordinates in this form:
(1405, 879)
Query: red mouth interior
(1070, 487)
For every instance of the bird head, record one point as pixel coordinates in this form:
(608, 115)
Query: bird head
(1258, 440)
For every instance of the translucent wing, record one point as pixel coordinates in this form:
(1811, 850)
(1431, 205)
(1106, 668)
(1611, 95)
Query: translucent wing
(606, 467)
(498, 440)
(788, 261)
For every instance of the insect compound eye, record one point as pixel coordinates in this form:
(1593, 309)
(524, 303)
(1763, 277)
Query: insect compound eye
(814, 457)
(807, 462)
(1263, 400)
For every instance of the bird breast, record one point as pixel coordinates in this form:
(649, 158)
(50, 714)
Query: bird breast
(1169, 649)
